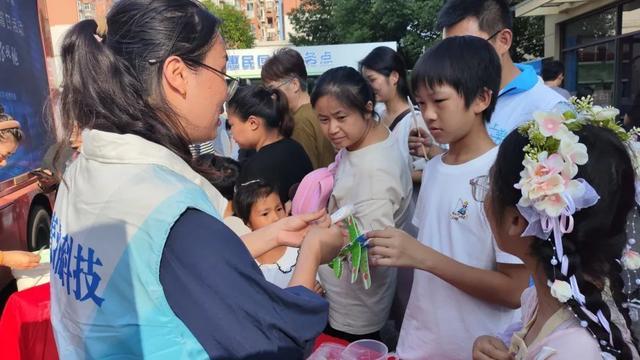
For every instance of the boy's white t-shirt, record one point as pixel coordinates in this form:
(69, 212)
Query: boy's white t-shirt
(442, 322)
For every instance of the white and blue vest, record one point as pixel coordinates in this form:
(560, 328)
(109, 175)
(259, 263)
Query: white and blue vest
(113, 213)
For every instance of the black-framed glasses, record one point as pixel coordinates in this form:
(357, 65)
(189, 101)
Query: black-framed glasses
(480, 187)
(232, 82)
(494, 35)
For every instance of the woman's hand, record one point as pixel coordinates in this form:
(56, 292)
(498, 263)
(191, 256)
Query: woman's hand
(320, 245)
(490, 348)
(292, 229)
(324, 243)
(19, 259)
(393, 247)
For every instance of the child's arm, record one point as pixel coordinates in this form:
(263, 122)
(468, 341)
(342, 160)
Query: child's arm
(503, 286)
(285, 232)
(17, 259)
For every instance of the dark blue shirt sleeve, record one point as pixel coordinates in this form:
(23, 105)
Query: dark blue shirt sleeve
(215, 287)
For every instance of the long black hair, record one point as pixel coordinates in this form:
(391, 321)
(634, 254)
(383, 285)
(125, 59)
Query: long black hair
(115, 84)
(268, 104)
(384, 61)
(599, 236)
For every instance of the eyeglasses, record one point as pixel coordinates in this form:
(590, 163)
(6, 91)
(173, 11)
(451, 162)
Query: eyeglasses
(273, 87)
(480, 187)
(494, 34)
(232, 82)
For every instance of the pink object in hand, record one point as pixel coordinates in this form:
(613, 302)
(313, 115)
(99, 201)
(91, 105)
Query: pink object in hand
(315, 189)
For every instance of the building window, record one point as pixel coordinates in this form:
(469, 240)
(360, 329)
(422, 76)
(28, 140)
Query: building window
(601, 54)
(250, 11)
(631, 17)
(629, 69)
(593, 71)
(595, 27)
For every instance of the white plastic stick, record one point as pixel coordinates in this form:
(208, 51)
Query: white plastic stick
(415, 125)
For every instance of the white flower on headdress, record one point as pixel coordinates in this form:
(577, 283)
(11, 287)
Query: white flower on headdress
(605, 113)
(561, 290)
(552, 205)
(574, 154)
(631, 260)
(550, 124)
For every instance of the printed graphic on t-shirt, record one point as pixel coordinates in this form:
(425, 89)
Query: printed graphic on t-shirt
(461, 212)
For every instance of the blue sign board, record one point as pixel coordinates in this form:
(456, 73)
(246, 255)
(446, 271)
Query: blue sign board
(24, 86)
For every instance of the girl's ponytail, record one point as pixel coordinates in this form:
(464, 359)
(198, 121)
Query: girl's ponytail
(268, 104)
(112, 81)
(281, 109)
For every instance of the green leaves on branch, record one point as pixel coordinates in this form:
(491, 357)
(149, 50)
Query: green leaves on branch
(236, 28)
(410, 23)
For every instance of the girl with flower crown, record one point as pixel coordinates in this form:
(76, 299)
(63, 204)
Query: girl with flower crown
(565, 218)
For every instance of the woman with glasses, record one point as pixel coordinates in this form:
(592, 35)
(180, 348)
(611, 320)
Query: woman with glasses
(285, 71)
(259, 120)
(142, 265)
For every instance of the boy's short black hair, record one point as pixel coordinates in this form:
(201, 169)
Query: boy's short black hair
(468, 64)
(248, 193)
(551, 70)
(492, 15)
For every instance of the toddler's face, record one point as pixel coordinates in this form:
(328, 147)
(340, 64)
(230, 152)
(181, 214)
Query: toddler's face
(266, 211)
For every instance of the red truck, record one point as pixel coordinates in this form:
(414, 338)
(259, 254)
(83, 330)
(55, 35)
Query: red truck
(25, 46)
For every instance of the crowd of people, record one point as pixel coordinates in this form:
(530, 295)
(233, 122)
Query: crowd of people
(497, 211)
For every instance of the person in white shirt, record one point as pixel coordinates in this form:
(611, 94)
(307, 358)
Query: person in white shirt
(372, 175)
(385, 70)
(522, 91)
(463, 284)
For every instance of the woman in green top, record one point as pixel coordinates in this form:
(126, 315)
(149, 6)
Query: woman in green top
(286, 71)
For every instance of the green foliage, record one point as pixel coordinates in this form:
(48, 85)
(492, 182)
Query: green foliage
(312, 21)
(528, 38)
(236, 28)
(411, 23)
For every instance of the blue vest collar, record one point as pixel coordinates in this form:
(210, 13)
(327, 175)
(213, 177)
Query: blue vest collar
(523, 82)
